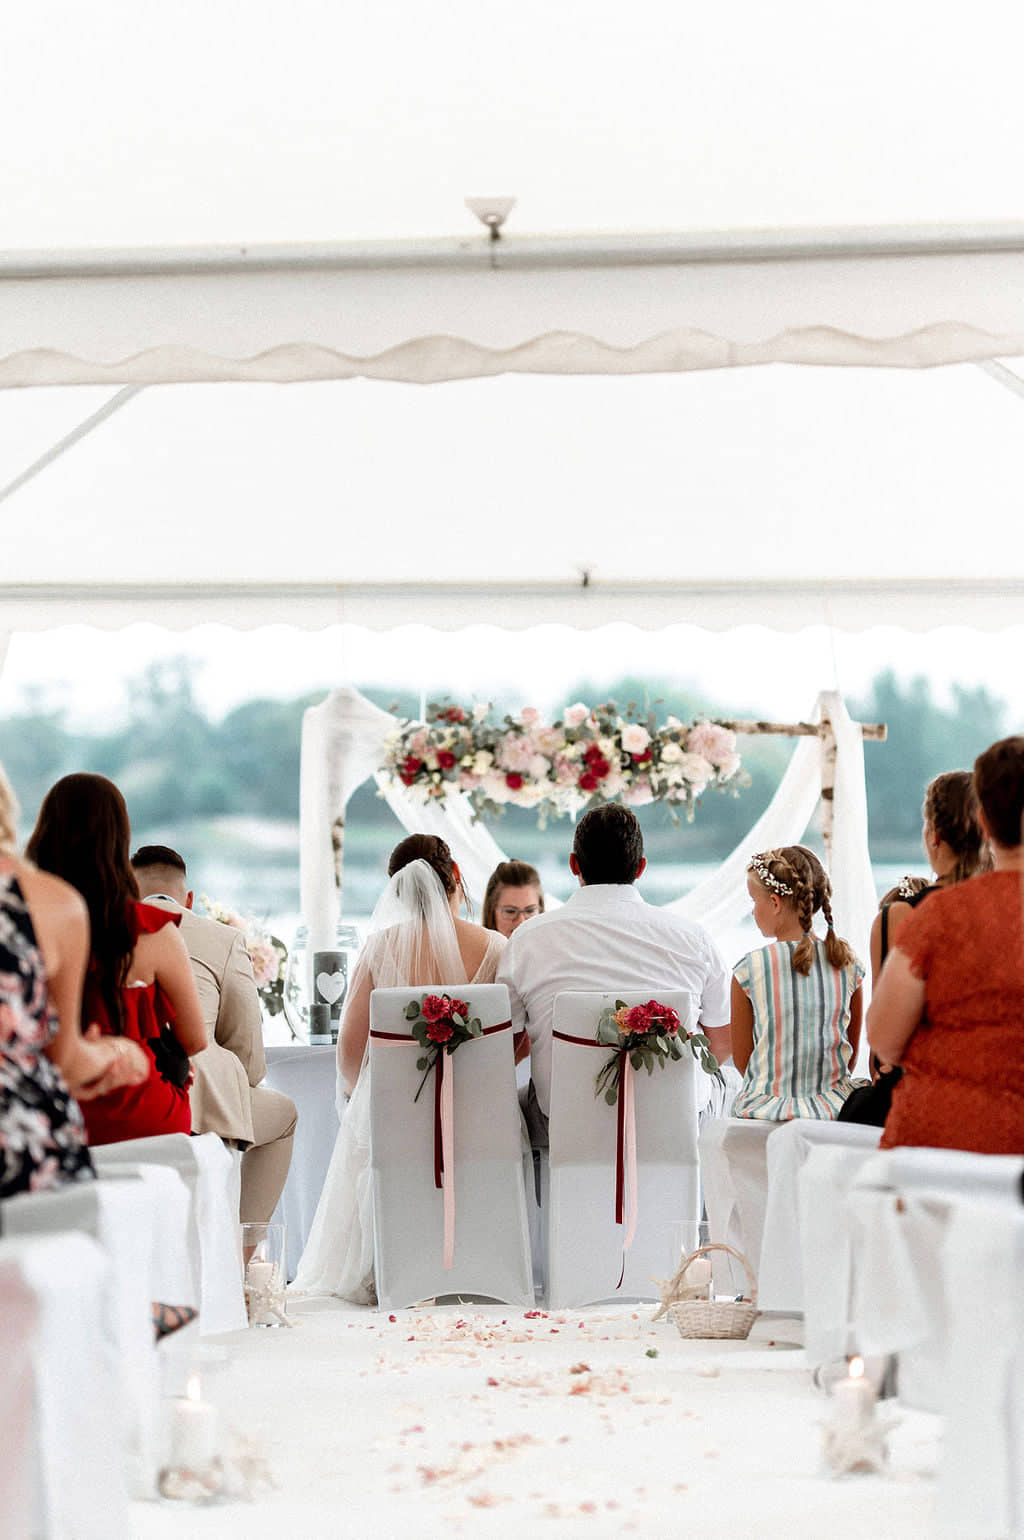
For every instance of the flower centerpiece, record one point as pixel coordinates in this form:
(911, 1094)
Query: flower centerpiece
(439, 1024)
(650, 1034)
(267, 953)
(588, 756)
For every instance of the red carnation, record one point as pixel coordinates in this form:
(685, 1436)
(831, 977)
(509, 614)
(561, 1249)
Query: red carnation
(434, 1007)
(513, 780)
(440, 1031)
(446, 759)
(641, 759)
(588, 781)
(458, 1008)
(592, 752)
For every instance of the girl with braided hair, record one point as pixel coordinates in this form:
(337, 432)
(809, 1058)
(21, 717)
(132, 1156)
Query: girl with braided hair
(796, 1003)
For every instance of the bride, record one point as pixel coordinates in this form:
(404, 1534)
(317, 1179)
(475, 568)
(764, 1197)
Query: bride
(416, 938)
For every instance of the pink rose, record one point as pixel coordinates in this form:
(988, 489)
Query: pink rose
(712, 742)
(635, 738)
(575, 716)
(529, 715)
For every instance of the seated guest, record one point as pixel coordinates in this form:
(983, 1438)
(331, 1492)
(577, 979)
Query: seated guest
(139, 982)
(606, 937)
(796, 1004)
(226, 1096)
(955, 848)
(954, 845)
(949, 1007)
(44, 945)
(514, 894)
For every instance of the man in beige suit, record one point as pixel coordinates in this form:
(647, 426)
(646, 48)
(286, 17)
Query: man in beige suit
(227, 1098)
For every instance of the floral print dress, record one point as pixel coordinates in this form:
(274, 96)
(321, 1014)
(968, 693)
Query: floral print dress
(42, 1136)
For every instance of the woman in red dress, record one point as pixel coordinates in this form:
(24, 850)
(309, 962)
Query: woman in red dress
(949, 1006)
(139, 982)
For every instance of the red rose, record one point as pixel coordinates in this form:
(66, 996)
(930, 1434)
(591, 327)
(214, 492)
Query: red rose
(410, 768)
(638, 1019)
(588, 781)
(592, 752)
(434, 1007)
(446, 759)
(440, 1031)
(641, 759)
(513, 780)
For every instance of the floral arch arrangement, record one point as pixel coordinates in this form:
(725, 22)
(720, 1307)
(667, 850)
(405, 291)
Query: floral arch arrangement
(589, 756)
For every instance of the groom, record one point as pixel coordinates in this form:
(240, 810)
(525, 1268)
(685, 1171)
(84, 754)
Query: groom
(607, 938)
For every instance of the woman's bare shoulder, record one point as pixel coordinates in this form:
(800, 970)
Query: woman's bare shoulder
(43, 890)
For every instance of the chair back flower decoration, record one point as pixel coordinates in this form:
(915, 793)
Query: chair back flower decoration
(646, 1035)
(267, 953)
(590, 755)
(439, 1024)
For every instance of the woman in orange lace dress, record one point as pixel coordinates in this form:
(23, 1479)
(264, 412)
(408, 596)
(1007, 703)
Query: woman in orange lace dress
(949, 1006)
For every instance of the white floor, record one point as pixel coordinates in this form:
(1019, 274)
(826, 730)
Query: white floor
(482, 1421)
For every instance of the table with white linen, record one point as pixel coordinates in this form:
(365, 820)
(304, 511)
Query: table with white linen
(309, 1076)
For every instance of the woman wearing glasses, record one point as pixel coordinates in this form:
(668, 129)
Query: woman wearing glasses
(514, 894)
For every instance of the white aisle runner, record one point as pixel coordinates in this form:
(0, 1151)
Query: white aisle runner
(486, 1422)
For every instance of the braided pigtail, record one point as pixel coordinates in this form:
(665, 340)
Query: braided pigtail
(803, 902)
(838, 951)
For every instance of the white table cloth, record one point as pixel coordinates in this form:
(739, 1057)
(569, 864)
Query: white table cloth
(308, 1075)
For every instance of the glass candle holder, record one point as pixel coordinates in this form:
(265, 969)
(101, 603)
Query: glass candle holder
(265, 1278)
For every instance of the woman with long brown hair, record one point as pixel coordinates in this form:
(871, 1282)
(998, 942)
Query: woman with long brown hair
(139, 982)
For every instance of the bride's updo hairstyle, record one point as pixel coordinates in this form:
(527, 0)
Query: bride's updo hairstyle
(796, 875)
(429, 848)
(951, 812)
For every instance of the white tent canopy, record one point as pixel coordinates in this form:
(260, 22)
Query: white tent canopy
(782, 496)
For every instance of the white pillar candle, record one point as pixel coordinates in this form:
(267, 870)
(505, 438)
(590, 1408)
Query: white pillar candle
(259, 1274)
(193, 1430)
(854, 1397)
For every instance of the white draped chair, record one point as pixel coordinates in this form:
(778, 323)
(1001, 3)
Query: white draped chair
(19, 1336)
(734, 1177)
(782, 1281)
(585, 1257)
(211, 1173)
(74, 1480)
(126, 1218)
(491, 1236)
(938, 1254)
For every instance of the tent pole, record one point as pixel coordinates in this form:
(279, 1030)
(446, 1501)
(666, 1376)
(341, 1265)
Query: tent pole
(116, 402)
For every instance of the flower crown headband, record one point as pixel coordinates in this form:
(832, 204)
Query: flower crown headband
(759, 867)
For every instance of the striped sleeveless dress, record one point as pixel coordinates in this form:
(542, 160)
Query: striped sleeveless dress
(800, 1066)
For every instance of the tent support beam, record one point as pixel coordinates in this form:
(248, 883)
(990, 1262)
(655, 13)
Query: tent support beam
(1002, 376)
(116, 402)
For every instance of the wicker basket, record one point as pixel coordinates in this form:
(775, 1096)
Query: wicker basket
(712, 1317)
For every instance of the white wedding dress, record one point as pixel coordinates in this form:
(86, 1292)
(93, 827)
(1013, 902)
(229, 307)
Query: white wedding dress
(412, 942)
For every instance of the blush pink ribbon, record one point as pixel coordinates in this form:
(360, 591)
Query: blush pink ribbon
(444, 1131)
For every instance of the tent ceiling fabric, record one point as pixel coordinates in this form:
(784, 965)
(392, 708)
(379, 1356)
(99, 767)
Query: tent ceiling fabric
(785, 497)
(431, 312)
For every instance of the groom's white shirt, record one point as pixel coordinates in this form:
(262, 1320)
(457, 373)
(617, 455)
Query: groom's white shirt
(606, 937)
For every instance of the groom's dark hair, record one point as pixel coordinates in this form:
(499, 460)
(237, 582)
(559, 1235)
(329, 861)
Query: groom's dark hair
(608, 844)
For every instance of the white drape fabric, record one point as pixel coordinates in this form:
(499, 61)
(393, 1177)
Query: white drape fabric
(342, 745)
(472, 844)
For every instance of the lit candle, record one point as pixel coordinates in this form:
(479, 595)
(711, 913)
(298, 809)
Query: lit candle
(854, 1397)
(193, 1430)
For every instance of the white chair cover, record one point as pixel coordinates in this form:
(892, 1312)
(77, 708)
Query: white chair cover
(822, 1184)
(308, 1075)
(210, 1171)
(19, 1331)
(123, 1217)
(734, 1176)
(492, 1242)
(78, 1487)
(938, 1242)
(585, 1257)
(781, 1282)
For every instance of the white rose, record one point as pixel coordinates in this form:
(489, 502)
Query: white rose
(482, 762)
(696, 771)
(729, 765)
(538, 767)
(496, 787)
(575, 716)
(480, 710)
(671, 753)
(635, 738)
